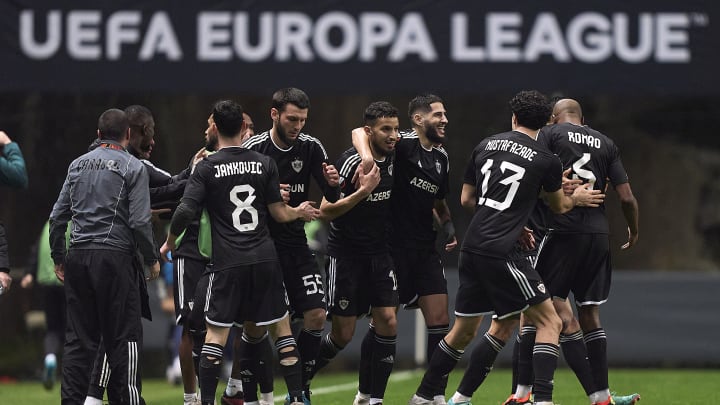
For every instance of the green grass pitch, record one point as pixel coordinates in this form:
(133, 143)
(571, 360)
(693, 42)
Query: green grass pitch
(666, 387)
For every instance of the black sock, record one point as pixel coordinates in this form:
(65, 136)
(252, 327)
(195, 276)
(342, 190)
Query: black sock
(290, 366)
(596, 343)
(250, 354)
(575, 353)
(211, 359)
(383, 360)
(481, 363)
(545, 357)
(525, 359)
(198, 340)
(328, 351)
(308, 343)
(435, 334)
(265, 365)
(515, 357)
(365, 371)
(441, 364)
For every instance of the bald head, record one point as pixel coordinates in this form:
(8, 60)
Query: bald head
(567, 110)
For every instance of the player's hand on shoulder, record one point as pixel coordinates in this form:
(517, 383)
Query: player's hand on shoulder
(200, 155)
(307, 211)
(331, 175)
(585, 196)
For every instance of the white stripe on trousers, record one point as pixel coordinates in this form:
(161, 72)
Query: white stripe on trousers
(133, 391)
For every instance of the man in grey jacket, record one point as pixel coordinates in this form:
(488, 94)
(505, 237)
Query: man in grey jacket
(106, 196)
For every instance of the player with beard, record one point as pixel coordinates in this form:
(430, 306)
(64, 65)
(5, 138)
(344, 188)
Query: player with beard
(299, 158)
(245, 285)
(419, 189)
(593, 158)
(190, 283)
(360, 270)
(506, 173)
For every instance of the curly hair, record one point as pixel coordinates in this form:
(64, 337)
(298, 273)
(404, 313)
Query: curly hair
(531, 108)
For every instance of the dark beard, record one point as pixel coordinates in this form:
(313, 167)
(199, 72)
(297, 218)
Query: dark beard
(211, 144)
(282, 135)
(432, 135)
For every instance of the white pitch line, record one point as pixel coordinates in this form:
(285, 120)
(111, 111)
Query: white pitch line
(399, 376)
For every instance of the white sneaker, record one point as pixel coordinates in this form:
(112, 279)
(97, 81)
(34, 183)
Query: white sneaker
(418, 400)
(361, 399)
(439, 400)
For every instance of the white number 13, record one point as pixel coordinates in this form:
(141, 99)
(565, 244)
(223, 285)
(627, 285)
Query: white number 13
(513, 181)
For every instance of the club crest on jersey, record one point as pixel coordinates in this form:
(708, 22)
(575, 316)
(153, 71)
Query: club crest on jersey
(297, 164)
(437, 166)
(541, 287)
(419, 164)
(343, 303)
(390, 169)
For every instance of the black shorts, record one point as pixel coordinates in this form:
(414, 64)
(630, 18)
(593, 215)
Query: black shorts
(303, 280)
(253, 293)
(579, 263)
(188, 272)
(356, 284)
(503, 287)
(419, 272)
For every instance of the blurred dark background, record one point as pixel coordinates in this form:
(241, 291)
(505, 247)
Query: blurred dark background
(659, 110)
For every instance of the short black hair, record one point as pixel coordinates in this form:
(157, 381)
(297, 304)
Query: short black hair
(379, 109)
(290, 95)
(228, 117)
(138, 115)
(531, 108)
(113, 124)
(422, 103)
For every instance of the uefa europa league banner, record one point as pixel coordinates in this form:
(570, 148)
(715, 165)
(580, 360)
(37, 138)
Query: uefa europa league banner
(656, 46)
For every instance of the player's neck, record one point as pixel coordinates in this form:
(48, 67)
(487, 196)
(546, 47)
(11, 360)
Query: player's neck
(276, 139)
(424, 141)
(376, 156)
(224, 142)
(532, 133)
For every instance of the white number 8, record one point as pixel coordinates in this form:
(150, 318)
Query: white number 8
(244, 205)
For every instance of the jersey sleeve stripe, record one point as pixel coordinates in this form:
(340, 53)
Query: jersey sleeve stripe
(305, 137)
(349, 164)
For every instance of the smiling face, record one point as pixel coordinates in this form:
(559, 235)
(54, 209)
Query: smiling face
(434, 123)
(384, 134)
(287, 124)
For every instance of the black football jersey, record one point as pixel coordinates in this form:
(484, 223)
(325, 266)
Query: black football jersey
(421, 177)
(508, 171)
(365, 229)
(295, 167)
(594, 158)
(236, 185)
